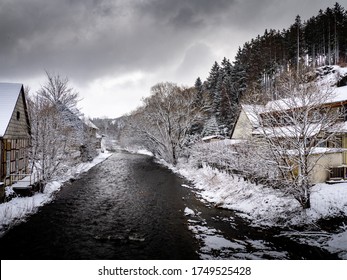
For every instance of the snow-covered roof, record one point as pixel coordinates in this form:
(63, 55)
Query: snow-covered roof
(319, 151)
(89, 123)
(9, 93)
(98, 136)
(337, 95)
(206, 138)
(252, 112)
(290, 131)
(73, 115)
(340, 127)
(340, 94)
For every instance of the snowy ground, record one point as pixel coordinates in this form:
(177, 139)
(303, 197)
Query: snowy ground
(265, 206)
(19, 208)
(214, 245)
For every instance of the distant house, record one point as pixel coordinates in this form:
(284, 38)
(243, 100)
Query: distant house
(247, 122)
(14, 134)
(92, 131)
(85, 139)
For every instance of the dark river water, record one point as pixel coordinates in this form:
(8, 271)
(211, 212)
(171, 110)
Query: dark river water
(130, 207)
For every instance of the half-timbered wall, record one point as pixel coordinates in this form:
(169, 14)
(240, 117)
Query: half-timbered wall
(14, 159)
(15, 143)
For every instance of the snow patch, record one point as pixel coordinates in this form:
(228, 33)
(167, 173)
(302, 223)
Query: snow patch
(328, 201)
(189, 212)
(217, 242)
(338, 243)
(138, 151)
(144, 152)
(214, 245)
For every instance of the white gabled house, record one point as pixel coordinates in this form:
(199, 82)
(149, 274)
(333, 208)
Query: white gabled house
(247, 122)
(331, 155)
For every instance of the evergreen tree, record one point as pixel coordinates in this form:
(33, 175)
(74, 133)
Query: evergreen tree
(212, 79)
(211, 127)
(320, 40)
(198, 85)
(199, 93)
(213, 85)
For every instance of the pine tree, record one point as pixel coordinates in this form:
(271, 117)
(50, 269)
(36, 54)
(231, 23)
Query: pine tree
(198, 85)
(212, 79)
(199, 93)
(213, 85)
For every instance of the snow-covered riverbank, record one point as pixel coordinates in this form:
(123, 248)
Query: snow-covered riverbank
(268, 207)
(264, 205)
(20, 207)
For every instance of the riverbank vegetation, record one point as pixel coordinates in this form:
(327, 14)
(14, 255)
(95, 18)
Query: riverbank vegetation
(60, 135)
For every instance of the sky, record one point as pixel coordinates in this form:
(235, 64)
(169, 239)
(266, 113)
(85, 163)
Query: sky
(114, 51)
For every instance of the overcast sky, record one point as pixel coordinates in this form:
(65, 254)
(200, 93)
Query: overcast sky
(113, 51)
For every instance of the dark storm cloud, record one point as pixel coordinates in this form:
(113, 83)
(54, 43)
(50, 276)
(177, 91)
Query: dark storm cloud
(103, 45)
(182, 13)
(40, 34)
(89, 38)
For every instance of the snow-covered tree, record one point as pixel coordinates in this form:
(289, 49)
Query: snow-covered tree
(49, 138)
(57, 132)
(163, 123)
(57, 90)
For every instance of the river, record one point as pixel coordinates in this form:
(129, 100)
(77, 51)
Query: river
(130, 207)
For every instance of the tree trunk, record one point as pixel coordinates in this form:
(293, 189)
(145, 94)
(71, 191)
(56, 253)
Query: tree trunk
(304, 197)
(306, 202)
(174, 156)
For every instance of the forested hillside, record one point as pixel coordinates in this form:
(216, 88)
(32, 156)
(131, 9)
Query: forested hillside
(320, 40)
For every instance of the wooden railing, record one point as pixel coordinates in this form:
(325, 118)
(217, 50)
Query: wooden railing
(30, 178)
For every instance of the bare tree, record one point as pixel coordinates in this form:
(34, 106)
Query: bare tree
(55, 134)
(49, 138)
(164, 121)
(57, 90)
(295, 132)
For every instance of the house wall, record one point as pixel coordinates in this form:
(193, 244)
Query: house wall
(15, 159)
(1, 159)
(243, 128)
(344, 145)
(15, 145)
(2, 186)
(320, 172)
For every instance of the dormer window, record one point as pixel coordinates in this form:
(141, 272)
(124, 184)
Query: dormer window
(18, 115)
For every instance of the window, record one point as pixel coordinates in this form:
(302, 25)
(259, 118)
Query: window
(18, 115)
(321, 143)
